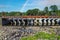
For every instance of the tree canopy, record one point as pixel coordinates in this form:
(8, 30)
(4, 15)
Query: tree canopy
(35, 12)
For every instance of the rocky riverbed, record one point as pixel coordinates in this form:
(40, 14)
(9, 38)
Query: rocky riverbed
(15, 33)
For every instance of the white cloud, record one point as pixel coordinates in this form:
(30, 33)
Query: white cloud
(43, 2)
(25, 4)
(40, 4)
(56, 2)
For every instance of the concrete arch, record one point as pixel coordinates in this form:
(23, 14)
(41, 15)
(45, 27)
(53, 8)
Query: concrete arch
(58, 21)
(30, 22)
(40, 21)
(36, 22)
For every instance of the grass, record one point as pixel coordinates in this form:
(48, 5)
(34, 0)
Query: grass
(41, 35)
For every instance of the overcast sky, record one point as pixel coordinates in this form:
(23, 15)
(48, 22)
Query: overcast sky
(24, 5)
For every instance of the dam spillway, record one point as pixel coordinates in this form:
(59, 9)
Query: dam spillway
(30, 21)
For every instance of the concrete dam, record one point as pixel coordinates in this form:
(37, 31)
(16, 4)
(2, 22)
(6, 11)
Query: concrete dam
(30, 21)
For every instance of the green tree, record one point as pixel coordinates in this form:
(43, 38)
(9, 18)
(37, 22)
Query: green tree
(33, 12)
(36, 12)
(0, 14)
(58, 12)
(29, 12)
(43, 13)
(15, 14)
(53, 8)
(46, 11)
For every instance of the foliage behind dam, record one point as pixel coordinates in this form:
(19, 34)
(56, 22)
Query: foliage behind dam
(48, 11)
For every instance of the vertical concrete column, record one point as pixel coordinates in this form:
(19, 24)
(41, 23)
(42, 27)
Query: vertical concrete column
(18, 22)
(32, 22)
(14, 21)
(23, 22)
(49, 21)
(35, 21)
(28, 22)
(40, 21)
(45, 22)
(58, 21)
(55, 22)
